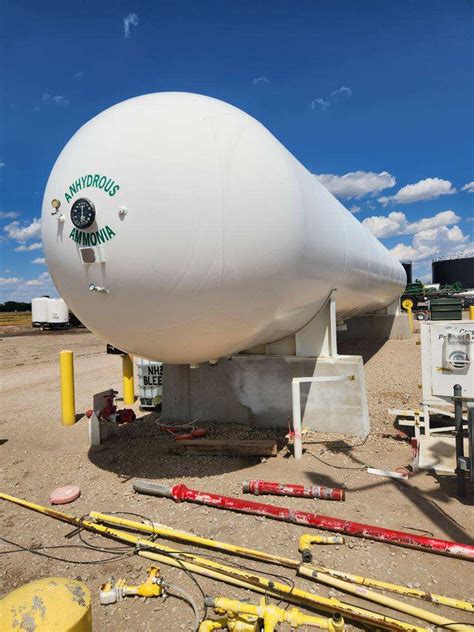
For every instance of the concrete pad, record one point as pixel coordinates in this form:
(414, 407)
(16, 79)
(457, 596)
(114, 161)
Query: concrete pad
(256, 390)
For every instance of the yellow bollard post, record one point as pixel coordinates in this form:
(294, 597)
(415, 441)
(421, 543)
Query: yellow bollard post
(410, 318)
(471, 312)
(128, 385)
(68, 403)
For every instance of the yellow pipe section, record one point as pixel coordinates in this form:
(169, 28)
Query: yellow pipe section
(235, 576)
(68, 404)
(128, 384)
(451, 602)
(189, 538)
(273, 616)
(275, 589)
(216, 624)
(471, 312)
(388, 602)
(307, 540)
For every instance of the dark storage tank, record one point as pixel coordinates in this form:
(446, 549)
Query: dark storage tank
(447, 271)
(409, 270)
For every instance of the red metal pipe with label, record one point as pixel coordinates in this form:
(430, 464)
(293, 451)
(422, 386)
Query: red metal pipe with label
(258, 488)
(358, 529)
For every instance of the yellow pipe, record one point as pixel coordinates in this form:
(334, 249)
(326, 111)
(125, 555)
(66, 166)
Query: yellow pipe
(451, 602)
(305, 542)
(232, 575)
(471, 312)
(272, 615)
(68, 404)
(128, 385)
(210, 626)
(277, 590)
(388, 602)
(189, 538)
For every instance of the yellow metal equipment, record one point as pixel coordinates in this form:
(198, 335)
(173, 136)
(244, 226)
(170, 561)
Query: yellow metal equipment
(389, 602)
(128, 384)
(228, 574)
(270, 615)
(304, 546)
(195, 540)
(113, 591)
(471, 312)
(450, 602)
(51, 603)
(68, 403)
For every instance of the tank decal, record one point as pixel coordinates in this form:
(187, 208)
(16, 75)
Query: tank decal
(93, 238)
(97, 180)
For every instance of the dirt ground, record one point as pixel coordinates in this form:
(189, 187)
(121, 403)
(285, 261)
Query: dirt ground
(38, 454)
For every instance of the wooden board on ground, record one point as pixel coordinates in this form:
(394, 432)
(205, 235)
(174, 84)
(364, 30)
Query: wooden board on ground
(224, 447)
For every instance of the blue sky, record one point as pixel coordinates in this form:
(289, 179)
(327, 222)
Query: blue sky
(375, 97)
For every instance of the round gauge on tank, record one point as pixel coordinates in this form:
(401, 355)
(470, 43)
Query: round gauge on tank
(83, 213)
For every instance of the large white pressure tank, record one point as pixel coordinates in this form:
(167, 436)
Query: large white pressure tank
(187, 232)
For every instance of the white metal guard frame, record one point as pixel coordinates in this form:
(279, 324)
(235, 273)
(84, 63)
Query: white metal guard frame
(296, 402)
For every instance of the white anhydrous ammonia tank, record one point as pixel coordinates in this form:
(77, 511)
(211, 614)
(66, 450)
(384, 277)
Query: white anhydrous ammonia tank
(58, 312)
(39, 311)
(187, 232)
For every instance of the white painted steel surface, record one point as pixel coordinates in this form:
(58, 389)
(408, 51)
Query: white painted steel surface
(58, 312)
(39, 310)
(218, 239)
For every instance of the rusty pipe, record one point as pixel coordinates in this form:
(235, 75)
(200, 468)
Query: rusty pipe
(258, 487)
(389, 536)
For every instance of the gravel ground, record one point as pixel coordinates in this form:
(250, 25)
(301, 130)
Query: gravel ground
(38, 454)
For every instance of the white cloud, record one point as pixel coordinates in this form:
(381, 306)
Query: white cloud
(2, 164)
(342, 92)
(469, 187)
(36, 245)
(434, 242)
(262, 79)
(9, 280)
(21, 233)
(319, 104)
(9, 214)
(130, 20)
(354, 209)
(79, 75)
(428, 189)
(16, 288)
(55, 100)
(396, 223)
(40, 261)
(43, 279)
(356, 184)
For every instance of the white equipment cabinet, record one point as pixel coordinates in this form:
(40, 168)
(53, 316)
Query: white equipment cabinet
(446, 359)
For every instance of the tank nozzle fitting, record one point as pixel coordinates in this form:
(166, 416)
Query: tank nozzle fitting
(96, 288)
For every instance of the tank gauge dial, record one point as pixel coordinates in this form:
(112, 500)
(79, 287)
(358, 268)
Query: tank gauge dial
(83, 213)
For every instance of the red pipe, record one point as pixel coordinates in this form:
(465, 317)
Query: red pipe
(400, 538)
(258, 487)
